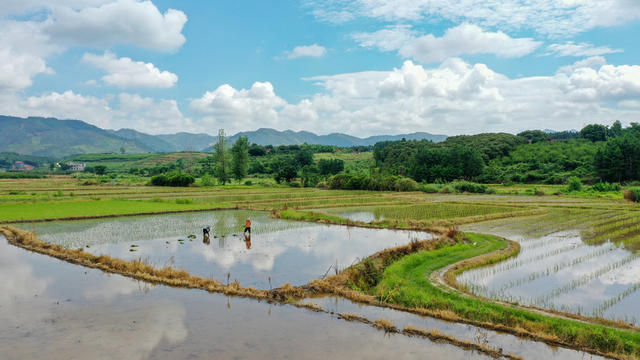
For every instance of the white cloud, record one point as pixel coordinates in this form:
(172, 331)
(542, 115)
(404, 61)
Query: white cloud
(314, 50)
(237, 110)
(138, 23)
(462, 39)
(454, 98)
(557, 18)
(570, 48)
(25, 45)
(125, 72)
(23, 49)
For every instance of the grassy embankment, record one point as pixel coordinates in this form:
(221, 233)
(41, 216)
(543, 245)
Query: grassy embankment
(405, 283)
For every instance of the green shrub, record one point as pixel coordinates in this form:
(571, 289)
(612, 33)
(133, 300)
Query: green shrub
(470, 187)
(248, 183)
(406, 184)
(605, 186)
(430, 188)
(175, 178)
(575, 184)
(206, 180)
(295, 184)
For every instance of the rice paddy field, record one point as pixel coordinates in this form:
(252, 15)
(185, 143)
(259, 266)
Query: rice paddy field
(577, 255)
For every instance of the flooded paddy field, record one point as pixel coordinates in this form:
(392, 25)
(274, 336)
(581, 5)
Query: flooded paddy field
(55, 310)
(429, 211)
(584, 262)
(276, 252)
(510, 344)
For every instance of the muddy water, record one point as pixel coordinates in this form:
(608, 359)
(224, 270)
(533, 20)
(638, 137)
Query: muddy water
(509, 343)
(558, 270)
(276, 252)
(50, 309)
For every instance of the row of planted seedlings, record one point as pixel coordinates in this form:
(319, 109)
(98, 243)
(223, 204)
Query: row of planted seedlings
(546, 300)
(473, 277)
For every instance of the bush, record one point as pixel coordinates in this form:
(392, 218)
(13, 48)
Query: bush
(375, 183)
(470, 187)
(632, 194)
(295, 184)
(605, 186)
(405, 184)
(248, 183)
(206, 180)
(175, 178)
(574, 184)
(430, 188)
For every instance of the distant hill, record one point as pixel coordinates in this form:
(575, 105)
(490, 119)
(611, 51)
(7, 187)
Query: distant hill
(186, 141)
(58, 138)
(61, 138)
(154, 142)
(266, 136)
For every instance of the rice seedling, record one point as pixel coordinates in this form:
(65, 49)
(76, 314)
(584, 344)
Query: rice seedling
(544, 300)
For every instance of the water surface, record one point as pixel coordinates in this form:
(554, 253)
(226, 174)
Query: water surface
(276, 252)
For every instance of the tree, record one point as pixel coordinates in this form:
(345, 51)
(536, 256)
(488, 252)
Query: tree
(121, 149)
(594, 132)
(330, 166)
(100, 169)
(257, 150)
(304, 157)
(534, 136)
(615, 130)
(287, 173)
(240, 152)
(618, 160)
(220, 154)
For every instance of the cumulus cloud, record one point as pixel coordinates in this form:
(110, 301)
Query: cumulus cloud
(27, 43)
(232, 109)
(570, 48)
(23, 49)
(557, 18)
(462, 39)
(455, 97)
(125, 72)
(314, 50)
(138, 23)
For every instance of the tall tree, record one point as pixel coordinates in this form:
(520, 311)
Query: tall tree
(240, 152)
(220, 154)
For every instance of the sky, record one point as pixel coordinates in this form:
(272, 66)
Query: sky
(361, 67)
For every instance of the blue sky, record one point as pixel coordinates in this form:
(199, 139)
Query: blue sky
(363, 67)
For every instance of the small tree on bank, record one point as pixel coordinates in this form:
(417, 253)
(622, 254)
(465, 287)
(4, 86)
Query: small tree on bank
(220, 155)
(240, 153)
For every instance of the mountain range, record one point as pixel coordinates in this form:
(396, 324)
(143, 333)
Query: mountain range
(59, 138)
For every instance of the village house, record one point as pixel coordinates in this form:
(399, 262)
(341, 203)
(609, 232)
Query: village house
(77, 166)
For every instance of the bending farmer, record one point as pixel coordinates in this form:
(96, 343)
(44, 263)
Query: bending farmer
(205, 231)
(247, 226)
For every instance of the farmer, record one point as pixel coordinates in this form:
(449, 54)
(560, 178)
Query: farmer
(247, 226)
(205, 230)
(247, 240)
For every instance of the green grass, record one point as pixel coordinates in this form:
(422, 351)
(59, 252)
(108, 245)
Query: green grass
(406, 283)
(64, 209)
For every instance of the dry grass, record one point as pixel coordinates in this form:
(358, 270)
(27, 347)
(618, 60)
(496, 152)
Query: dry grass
(437, 336)
(386, 325)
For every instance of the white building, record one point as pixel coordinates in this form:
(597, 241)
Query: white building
(77, 166)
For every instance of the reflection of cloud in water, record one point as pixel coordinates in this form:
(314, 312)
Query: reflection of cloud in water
(625, 275)
(112, 287)
(17, 284)
(335, 243)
